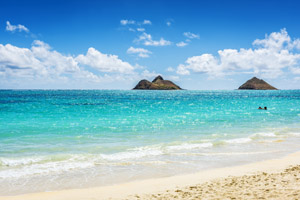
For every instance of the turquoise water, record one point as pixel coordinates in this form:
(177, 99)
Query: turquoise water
(57, 139)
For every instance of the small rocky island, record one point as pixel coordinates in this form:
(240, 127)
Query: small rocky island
(256, 84)
(157, 84)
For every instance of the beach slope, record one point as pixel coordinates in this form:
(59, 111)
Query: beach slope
(275, 179)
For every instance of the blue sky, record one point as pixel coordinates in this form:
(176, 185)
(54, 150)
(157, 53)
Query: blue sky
(114, 44)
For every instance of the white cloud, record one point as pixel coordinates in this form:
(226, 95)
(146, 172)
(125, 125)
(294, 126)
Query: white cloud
(295, 70)
(205, 64)
(13, 28)
(38, 62)
(147, 74)
(126, 21)
(169, 22)
(131, 29)
(140, 29)
(144, 36)
(148, 41)
(170, 69)
(181, 44)
(191, 35)
(297, 78)
(41, 62)
(183, 70)
(268, 59)
(147, 22)
(295, 44)
(161, 42)
(143, 53)
(275, 41)
(42, 67)
(104, 62)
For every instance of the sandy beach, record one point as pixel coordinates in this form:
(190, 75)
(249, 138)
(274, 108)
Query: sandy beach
(279, 185)
(270, 179)
(131, 100)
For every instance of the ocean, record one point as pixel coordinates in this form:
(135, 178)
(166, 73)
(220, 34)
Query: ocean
(61, 139)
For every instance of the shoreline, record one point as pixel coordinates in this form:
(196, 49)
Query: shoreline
(161, 185)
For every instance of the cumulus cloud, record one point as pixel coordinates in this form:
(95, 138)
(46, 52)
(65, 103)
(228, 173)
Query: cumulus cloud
(148, 41)
(181, 44)
(40, 62)
(147, 22)
(104, 62)
(13, 28)
(124, 22)
(143, 53)
(295, 70)
(42, 67)
(191, 35)
(295, 44)
(183, 70)
(269, 57)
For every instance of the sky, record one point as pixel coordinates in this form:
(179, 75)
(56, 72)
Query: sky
(199, 45)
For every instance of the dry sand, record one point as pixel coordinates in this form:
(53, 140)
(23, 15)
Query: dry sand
(281, 185)
(271, 179)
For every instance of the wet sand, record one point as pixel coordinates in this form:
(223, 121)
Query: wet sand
(270, 179)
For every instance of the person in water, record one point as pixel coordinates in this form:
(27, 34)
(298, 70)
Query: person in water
(260, 108)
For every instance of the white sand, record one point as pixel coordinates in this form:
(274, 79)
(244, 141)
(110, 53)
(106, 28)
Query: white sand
(192, 186)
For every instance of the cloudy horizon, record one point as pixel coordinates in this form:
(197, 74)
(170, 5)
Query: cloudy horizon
(35, 56)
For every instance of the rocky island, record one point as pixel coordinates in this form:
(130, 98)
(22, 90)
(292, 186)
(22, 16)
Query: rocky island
(256, 84)
(157, 84)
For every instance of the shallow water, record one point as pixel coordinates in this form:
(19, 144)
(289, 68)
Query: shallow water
(58, 139)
